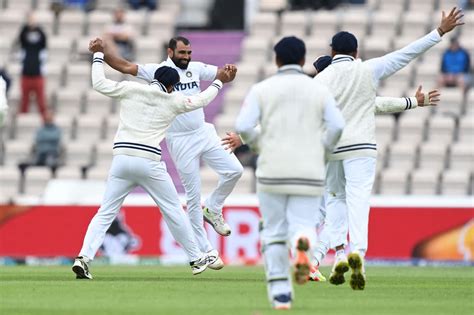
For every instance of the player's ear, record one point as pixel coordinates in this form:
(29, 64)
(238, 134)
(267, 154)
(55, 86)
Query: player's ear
(170, 52)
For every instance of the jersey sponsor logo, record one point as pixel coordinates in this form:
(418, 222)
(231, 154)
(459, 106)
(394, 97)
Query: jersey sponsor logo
(186, 86)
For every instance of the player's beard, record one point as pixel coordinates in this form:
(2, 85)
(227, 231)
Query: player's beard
(181, 63)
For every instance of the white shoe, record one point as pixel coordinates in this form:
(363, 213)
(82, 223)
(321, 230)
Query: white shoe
(218, 263)
(202, 263)
(217, 222)
(81, 268)
(340, 267)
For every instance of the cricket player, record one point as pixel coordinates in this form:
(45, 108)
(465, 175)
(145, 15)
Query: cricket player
(283, 117)
(146, 112)
(383, 105)
(190, 138)
(3, 101)
(351, 167)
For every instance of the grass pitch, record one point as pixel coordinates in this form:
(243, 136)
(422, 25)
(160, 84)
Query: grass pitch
(232, 290)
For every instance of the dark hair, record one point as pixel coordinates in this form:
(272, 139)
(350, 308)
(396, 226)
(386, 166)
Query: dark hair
(174, 41)
(290, 50)
(167, 76)
(344, 43)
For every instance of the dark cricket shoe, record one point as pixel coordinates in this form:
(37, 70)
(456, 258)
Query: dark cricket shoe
(81, 268)
(356, 262)
(340, 267)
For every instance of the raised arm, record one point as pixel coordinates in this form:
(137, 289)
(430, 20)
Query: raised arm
(387, 65)
(114, 60)
(99, 82)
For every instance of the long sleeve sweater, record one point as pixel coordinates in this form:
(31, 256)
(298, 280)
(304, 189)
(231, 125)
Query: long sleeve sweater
(146, 111)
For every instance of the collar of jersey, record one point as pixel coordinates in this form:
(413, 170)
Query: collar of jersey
(160, 85)
(290, 68)
(341, 58)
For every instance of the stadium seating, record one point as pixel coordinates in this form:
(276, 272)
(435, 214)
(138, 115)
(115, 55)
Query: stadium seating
(421, 151)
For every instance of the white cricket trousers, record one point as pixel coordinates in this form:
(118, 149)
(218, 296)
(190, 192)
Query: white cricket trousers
(285, 219)
(348, 187)
(127, 172)
(186, 149)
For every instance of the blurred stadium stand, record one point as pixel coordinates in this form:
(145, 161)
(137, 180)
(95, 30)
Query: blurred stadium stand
(424, 151)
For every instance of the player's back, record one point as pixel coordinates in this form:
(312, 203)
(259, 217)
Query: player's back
(291, 120)
(352, 84)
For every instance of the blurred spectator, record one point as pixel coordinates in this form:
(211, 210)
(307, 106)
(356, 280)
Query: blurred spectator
(314, 4)
(138, 4)
(455, 66)
(33, 51)
(120, 36)
(86, 5)
(466, 4)
(47, 149)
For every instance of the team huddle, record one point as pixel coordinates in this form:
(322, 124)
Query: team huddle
(315, 138)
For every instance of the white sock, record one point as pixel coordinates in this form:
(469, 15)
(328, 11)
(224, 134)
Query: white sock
(340, 252)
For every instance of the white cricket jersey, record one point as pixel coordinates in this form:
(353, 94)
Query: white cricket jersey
(189, 85)
(146, 111)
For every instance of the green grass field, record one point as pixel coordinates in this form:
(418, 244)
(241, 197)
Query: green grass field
(233, 290)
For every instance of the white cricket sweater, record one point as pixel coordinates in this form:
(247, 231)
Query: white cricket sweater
(146, 111)
(189, 84)
(353, 83)
(291, 111)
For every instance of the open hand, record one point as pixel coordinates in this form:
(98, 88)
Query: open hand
(450, 21)
(430, 99)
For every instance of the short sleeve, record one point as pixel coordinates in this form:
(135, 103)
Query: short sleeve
(207, 72)
(147, 71)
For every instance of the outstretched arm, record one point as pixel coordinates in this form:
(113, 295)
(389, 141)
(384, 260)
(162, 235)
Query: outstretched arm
(385, 105)
(114, 60)
(387, 65)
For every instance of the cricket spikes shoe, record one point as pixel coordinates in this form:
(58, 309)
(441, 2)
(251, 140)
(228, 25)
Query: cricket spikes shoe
(356, 262)
(81, 268)
(202, 263)
(282, 302)
(217, 222)
(302, 265)
(218, 263)
(340, 267)
(316, 275)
